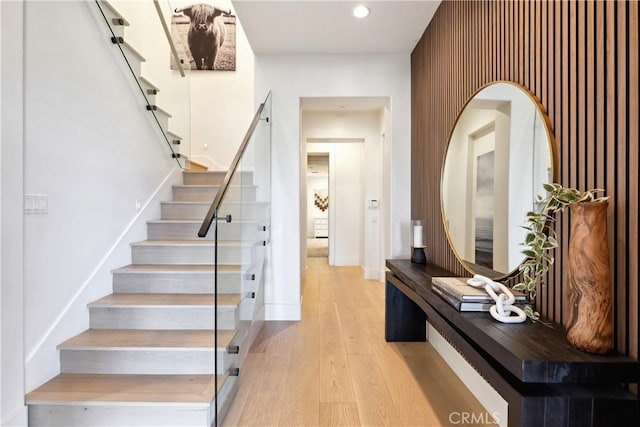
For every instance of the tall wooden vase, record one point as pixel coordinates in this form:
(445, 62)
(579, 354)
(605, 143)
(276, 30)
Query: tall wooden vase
(590, 313)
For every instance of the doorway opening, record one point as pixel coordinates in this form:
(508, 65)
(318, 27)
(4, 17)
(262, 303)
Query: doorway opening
(354, 134)
(318, 205)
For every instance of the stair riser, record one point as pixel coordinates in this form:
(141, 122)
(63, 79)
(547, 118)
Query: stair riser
(147, 362)
(118, 30)
(216, 178)
(110, 415)
(207, 194)
(224, 399)
(246, 309)
(162, 317)
(133, 60)
(163, 119)
(148, 91)
(245, 231)
(184, 255)
(197, 212)
(181, 283)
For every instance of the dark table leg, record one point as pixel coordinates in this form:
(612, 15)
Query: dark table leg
(404, 319)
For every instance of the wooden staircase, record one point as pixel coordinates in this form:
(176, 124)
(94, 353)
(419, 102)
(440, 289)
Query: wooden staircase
(148, 357)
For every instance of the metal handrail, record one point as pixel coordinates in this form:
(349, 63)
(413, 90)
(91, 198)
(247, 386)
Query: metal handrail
(212, 213)
(167, 33)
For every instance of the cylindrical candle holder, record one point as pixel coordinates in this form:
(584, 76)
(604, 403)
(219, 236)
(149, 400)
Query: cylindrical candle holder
(418, 256)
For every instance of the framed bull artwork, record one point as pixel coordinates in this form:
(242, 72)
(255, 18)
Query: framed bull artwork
(205, 36)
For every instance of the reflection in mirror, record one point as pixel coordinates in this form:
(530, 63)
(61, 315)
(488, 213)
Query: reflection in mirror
(499, 154)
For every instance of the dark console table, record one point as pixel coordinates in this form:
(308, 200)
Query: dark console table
(545, 381)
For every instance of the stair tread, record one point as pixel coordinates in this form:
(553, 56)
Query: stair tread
(133, 51)
(198, 167)
(173, 135)
(97, 388)
(115, 12)
(205, 173)
(195, 242)
(196, 221)
(205, 203)
(148, 83)
(177, 268)
(211, 185)
(116, 300)
(138, 338)
(162, 111)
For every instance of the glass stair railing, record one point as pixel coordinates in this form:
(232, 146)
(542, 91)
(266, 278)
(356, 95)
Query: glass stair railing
(158, 64)
(239, 222)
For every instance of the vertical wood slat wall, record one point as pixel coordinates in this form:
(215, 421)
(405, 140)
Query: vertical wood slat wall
(580, 59)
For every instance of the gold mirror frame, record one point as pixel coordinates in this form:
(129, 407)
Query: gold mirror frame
(500, 106)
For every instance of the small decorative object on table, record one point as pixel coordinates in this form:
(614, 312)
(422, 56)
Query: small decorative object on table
(505, 300)
(417, 254)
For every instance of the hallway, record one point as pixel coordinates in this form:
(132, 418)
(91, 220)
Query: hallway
(334, 367)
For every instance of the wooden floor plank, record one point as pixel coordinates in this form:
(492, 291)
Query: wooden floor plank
(335, 379)
(339, 414)
(375, 405)
(250, 370)
(301, 398)
(330, 330)
(412, 406)
(347, 289)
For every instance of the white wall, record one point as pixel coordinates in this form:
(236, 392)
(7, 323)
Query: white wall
(291, 77)
(90, 148)
(12, 408)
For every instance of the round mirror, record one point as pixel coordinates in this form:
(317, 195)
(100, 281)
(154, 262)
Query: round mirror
(500, 152)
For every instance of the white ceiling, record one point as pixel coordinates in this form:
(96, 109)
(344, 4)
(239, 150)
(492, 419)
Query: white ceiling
(329, 27)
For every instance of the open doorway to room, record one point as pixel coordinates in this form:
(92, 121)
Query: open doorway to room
(318, 205)
(354, 133)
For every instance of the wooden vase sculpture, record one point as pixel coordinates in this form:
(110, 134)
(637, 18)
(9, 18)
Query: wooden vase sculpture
(590, 314)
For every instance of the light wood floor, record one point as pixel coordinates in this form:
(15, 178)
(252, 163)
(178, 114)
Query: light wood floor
(334, 367)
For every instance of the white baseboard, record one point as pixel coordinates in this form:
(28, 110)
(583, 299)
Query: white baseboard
(371, 273)
(493, 403)
(346, 262)
(17, 419)
(291, 312)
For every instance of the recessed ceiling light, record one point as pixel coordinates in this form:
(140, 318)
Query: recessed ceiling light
(361, 11)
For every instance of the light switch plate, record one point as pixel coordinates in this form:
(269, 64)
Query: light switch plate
(36, 204)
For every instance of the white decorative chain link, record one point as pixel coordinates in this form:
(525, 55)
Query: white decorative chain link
(504, 301)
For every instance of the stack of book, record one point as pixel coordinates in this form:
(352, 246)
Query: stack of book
(463, 297)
